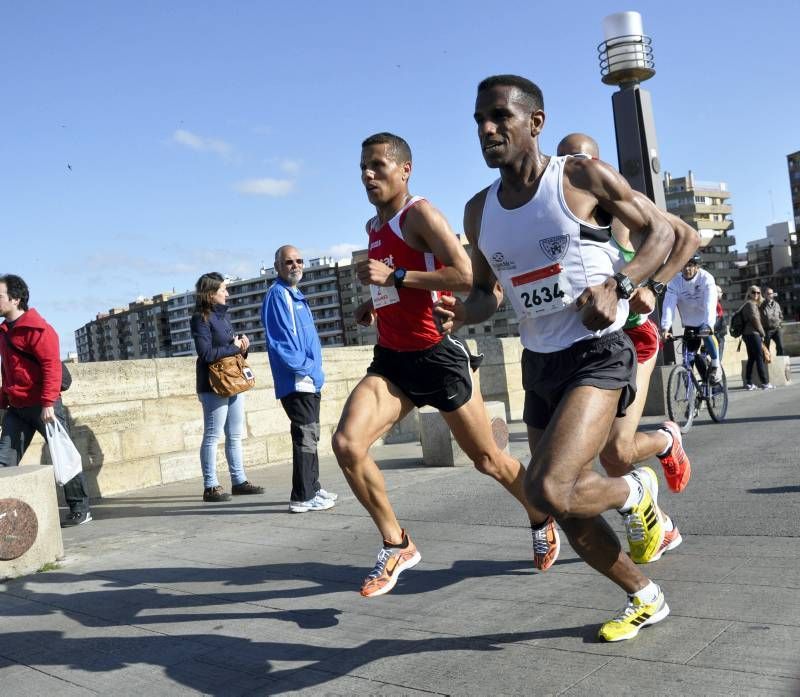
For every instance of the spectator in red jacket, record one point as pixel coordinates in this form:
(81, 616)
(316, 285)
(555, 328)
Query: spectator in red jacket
(31, 390)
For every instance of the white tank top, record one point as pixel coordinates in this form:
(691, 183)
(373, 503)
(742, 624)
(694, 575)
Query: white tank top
(545, 257)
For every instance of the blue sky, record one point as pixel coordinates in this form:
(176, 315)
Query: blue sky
(146, 143)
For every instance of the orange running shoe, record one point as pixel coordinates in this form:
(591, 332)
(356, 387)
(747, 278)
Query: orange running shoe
(546, 545)
(677, 468)
(392, 561)
(672, 538)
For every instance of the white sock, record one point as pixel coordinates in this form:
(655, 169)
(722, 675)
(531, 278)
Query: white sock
(667, 521)
(635, 495)
(648, 594)
(669, 442)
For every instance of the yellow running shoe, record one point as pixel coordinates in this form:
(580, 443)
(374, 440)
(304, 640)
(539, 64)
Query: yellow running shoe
(635, 615)
(643, 525)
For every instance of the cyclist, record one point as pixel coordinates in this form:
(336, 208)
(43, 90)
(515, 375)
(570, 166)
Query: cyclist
(694, 293)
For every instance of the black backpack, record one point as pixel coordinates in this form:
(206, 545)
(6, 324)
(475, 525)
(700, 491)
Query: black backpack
(737, 323)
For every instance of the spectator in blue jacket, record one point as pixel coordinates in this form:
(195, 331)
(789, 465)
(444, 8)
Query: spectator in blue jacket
(214, 339)
(295, 357)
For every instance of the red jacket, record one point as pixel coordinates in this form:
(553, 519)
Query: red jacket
(26, 382)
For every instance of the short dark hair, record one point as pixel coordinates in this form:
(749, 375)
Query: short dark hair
(16, 289)
(530, 90)
(399, 150)
(206, 286)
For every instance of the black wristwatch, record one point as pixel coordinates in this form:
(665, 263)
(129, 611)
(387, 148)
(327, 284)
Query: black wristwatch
(624, 285)
(399, 277)
(656, 286)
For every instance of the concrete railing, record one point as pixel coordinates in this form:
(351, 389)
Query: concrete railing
(139, 423)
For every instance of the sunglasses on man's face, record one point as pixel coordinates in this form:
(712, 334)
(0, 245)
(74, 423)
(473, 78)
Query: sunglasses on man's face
(293, 262)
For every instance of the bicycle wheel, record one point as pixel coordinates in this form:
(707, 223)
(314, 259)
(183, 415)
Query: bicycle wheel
(681, 395)
(717, 399)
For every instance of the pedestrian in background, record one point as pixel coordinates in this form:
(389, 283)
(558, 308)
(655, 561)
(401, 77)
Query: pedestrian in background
(214, 339)
(753, 336)
(295, 357)
(772, 319)
(720, 326)
(31, 391)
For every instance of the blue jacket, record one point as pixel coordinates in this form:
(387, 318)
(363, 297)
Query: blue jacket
(292, 340)
(213, 339)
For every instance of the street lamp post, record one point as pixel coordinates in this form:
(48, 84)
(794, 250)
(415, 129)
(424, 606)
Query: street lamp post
(626, 59)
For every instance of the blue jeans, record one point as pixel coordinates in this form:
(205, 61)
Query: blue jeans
(222, 414)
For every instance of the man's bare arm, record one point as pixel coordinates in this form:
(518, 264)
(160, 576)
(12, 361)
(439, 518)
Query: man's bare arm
(486, 294)
(426, 230)
(687, 241)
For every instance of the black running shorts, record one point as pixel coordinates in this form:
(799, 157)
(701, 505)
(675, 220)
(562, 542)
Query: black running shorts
(608, 363)
(439, 376)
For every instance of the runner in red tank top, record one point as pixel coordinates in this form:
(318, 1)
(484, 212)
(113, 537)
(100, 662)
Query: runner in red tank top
(413, 254)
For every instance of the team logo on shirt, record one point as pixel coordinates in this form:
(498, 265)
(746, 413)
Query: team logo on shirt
(555, 248)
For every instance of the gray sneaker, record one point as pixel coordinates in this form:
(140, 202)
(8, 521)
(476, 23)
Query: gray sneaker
(316, 504)
(76, 518)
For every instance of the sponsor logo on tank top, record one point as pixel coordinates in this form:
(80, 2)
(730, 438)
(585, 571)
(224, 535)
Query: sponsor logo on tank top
(500, 263)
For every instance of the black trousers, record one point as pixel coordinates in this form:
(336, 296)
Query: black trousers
(753, 345)
(775, 335)
(302, 408)
(19, 426)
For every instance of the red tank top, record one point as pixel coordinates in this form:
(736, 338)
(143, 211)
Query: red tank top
(405, 316)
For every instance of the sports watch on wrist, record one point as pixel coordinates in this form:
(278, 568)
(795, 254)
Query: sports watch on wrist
(399, 277)
(656, 286)
(624, 285)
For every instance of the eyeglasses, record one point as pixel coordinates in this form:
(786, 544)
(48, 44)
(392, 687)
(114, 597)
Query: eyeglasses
(293, 262)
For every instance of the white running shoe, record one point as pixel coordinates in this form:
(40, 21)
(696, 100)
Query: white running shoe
(327, 495)
(316, 504)
(768, 386)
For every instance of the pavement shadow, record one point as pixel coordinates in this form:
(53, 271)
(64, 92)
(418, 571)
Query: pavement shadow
(147, 507)
(207, 663)
(792, 489)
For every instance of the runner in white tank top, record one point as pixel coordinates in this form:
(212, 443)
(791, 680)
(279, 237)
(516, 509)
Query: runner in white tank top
(575, 377)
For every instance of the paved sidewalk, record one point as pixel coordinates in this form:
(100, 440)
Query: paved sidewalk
(165, 595)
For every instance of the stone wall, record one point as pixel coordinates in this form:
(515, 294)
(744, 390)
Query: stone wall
(139, 423)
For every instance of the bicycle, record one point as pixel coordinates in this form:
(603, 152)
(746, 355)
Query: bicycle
(688, 390)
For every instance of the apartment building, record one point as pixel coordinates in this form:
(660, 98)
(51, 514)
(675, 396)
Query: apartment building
(705, 206)
(123, 333)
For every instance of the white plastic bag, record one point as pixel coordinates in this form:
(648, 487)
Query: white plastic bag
(65, 456)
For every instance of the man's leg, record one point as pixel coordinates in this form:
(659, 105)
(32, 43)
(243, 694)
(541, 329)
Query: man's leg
(626, 446)
(373, 407)
(16, 436)
(473, 432)
(560, 477)
(302, 408)
(561, 481)
(778, 336)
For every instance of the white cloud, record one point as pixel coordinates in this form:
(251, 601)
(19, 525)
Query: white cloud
(202, 144)
(343, 251)
(289, 166)
(265, 187)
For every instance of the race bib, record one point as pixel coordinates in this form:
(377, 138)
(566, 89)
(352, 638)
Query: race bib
(542, 291)
(383, 295)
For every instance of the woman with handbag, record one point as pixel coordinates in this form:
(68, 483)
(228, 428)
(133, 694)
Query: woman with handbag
(753, 336)
(214, 341)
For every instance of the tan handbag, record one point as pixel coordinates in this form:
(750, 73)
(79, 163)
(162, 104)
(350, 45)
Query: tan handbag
(230, 376)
